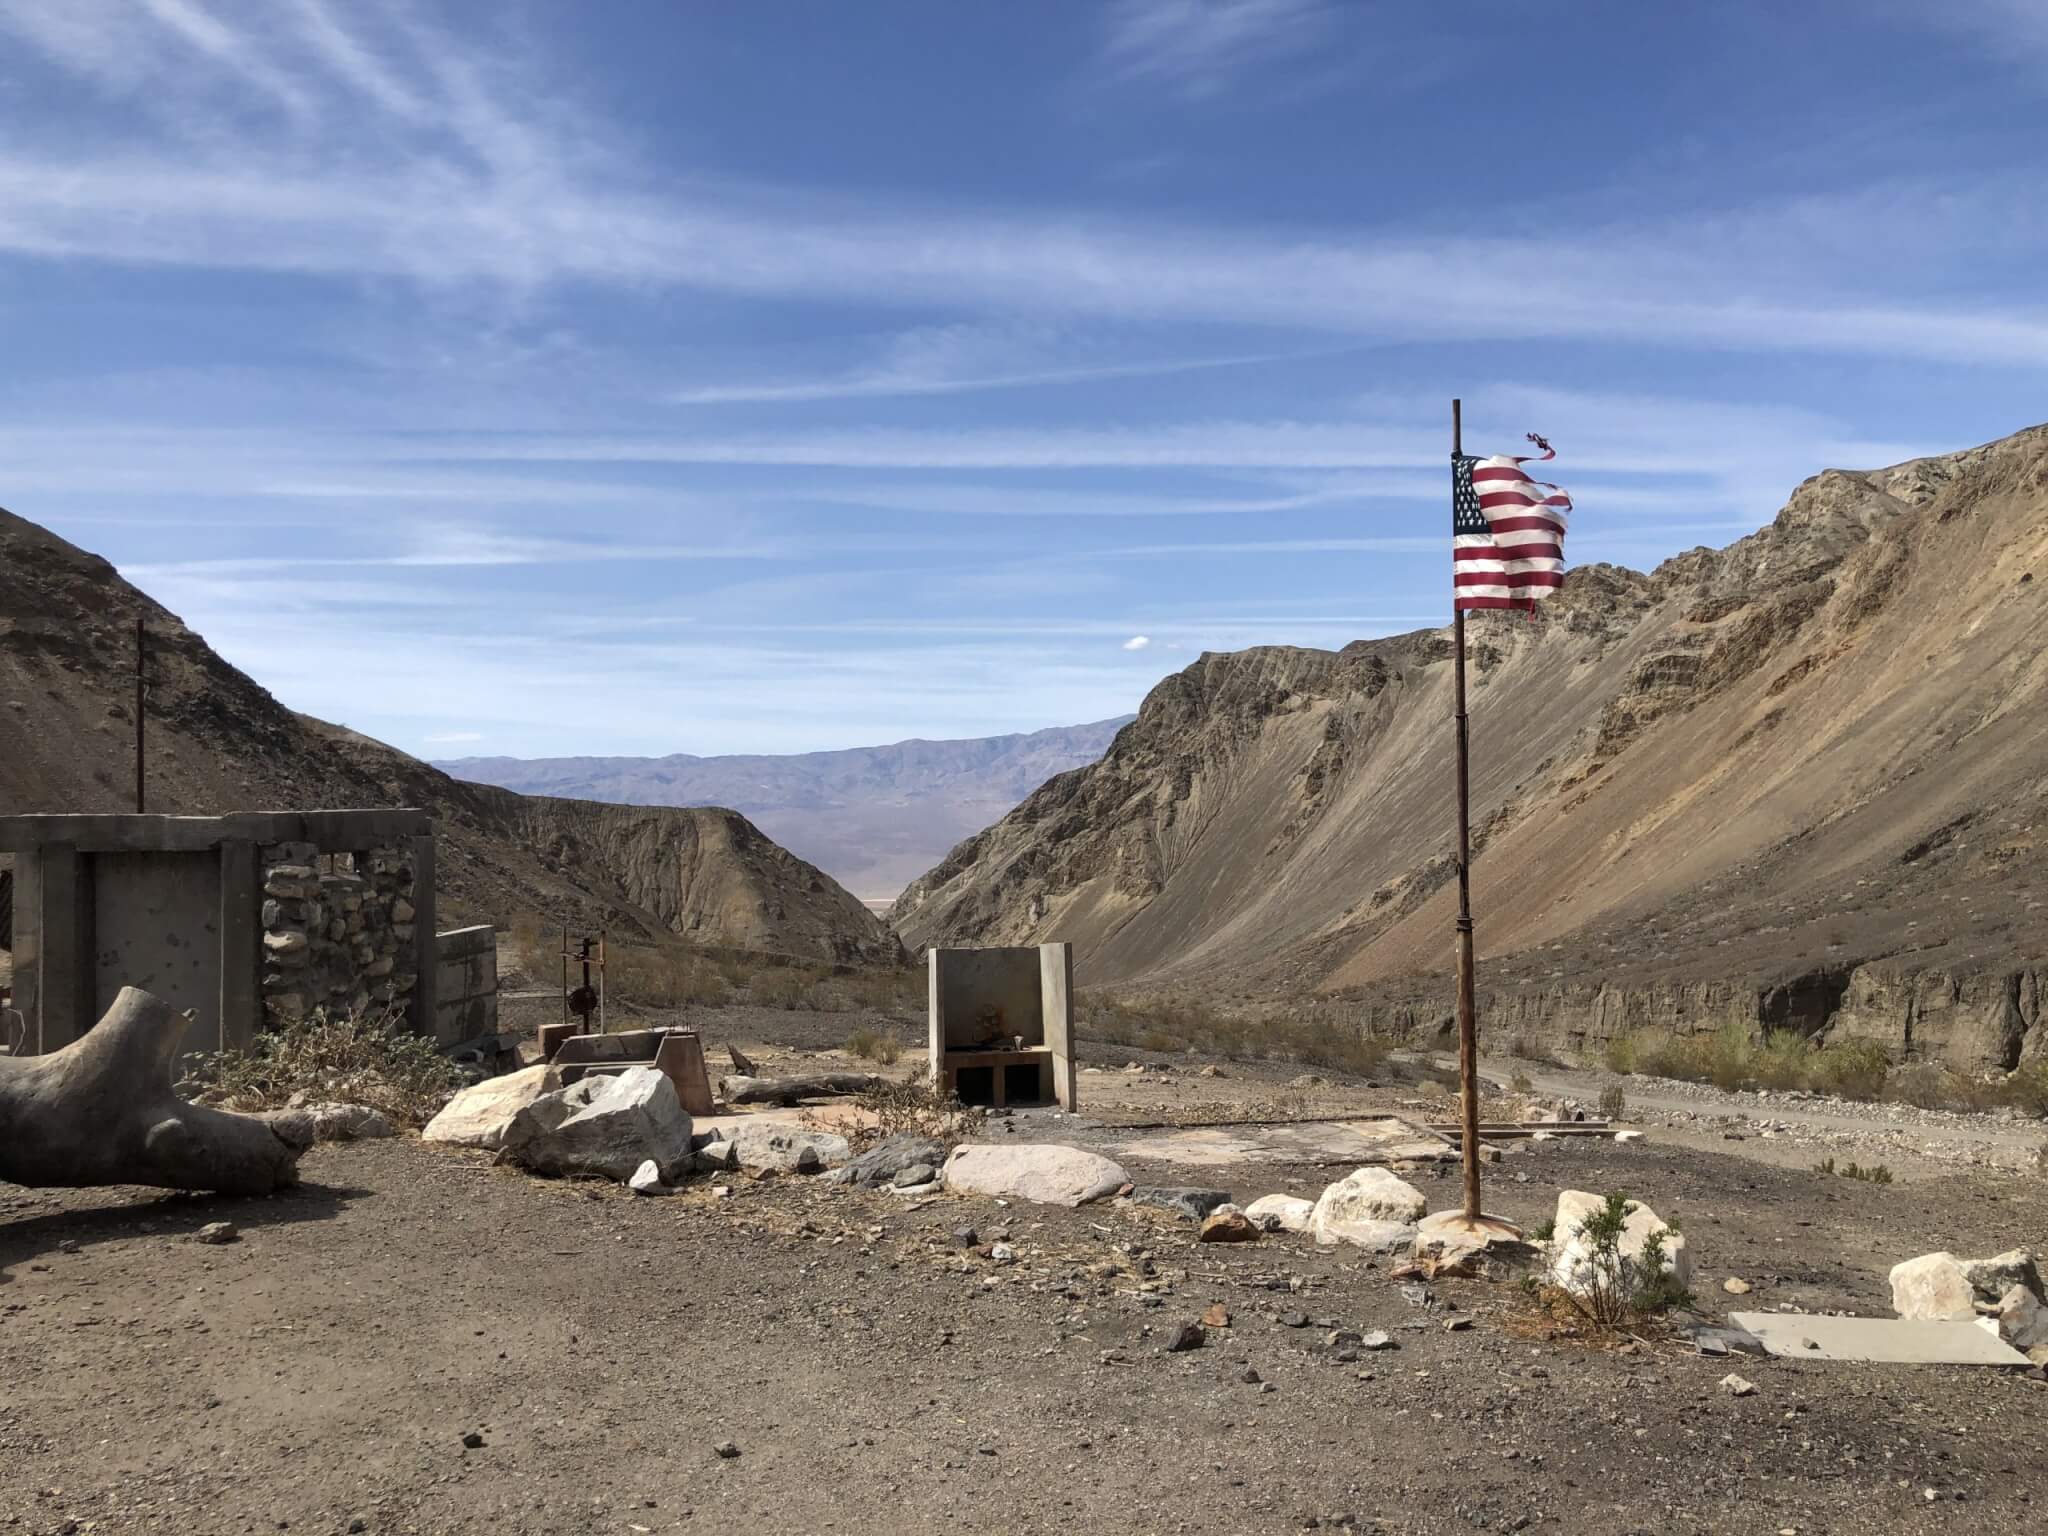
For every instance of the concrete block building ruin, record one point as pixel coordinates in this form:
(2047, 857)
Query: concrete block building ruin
(1001, 1024)
(245, 920)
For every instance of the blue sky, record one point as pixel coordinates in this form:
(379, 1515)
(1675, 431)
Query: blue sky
(717, 377)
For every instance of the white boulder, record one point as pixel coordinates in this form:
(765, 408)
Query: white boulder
(478, 1116)
(1369, 1208)
(603, 1126)
(1280, 1213)
(1046, 1174)
(776, 1148)
(1572, 1264)
(1933, 1289)
(647, 1180)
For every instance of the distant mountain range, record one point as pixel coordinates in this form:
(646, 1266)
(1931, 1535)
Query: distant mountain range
(874, 818)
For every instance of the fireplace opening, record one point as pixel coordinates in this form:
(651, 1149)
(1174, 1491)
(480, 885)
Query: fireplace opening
(977, 1085)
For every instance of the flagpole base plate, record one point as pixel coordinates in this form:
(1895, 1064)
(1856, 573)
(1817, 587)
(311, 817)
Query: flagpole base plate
(1481, 1228)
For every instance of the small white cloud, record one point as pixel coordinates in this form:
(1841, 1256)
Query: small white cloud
(1137, 642)
(444, 738)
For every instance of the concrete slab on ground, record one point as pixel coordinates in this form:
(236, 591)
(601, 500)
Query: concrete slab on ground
(1350, 1143)
(1890, 1340)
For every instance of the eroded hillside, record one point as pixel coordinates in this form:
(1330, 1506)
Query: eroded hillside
(218, 742)
(1805, 773)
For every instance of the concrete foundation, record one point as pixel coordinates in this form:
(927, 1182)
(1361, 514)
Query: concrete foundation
(1001, 1024)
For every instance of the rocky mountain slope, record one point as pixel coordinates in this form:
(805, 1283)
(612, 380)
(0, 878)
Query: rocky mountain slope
(871, 816)
(1802, 780)
(218, 742)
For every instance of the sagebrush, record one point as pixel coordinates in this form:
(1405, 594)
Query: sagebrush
(1621, 1289)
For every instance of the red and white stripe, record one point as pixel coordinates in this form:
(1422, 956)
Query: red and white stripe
(1521, 560)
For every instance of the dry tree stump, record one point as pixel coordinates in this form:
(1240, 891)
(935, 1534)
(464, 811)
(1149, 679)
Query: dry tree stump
(102, 1111)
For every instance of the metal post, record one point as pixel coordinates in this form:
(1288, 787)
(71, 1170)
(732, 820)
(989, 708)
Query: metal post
(141, 665)
(1468, 1033)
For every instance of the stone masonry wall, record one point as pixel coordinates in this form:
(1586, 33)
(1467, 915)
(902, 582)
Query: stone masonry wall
(337, 931)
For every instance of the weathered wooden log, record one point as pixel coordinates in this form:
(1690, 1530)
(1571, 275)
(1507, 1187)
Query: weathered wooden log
(794, 1090)
(102, 1111)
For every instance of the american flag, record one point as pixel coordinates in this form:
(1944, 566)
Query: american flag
(1507, 531)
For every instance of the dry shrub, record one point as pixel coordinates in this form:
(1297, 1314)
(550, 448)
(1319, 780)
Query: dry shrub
(369, 1058)
(915, 1107)
(874, 1045)
(662, 976)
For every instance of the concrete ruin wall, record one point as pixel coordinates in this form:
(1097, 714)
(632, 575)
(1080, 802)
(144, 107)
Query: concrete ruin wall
(465, 984)
(245, 920)
(339, 930)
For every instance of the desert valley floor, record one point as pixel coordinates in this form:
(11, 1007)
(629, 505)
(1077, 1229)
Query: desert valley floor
(320, 1374)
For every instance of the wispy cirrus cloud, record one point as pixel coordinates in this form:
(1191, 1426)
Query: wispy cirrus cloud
(964, 358)
(1197, 47)
(419, 156)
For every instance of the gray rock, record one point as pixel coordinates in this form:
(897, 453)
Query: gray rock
(348, 1122)
(725, 1450)
(881, 1163)
(1992, 1278)
(1281, 1213)
(965, 1237)
(602, 1126)
(782, 1148)
(1194, 1204)
(913, 1176)
(217, 1232)
(1185, 1336)
(1379, 1338)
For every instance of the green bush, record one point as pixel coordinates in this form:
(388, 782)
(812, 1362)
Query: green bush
(1782, 1062)
(1854, 1069)
(2027, 1088)
(1622, 1290)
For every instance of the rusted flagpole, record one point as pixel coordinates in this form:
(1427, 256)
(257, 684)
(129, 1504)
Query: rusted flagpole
(1468, 1031)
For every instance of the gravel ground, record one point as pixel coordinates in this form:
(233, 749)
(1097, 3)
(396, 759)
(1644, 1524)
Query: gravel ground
(321, 1373)
(872, 1375)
